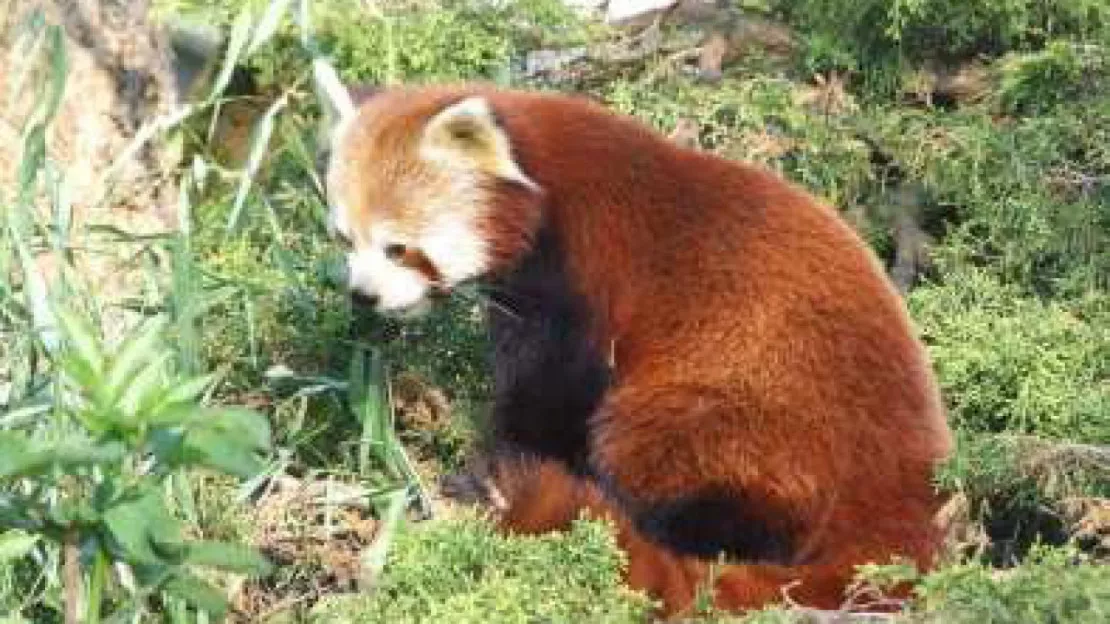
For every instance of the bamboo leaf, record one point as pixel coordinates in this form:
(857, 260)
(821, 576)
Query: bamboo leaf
(147, 132)
(335, 99)
(22, 416)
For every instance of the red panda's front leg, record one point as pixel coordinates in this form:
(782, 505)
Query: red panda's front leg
(683, 465)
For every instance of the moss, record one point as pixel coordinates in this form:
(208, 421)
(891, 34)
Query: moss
(462, 571)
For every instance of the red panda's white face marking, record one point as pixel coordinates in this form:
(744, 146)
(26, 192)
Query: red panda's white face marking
(410, 196)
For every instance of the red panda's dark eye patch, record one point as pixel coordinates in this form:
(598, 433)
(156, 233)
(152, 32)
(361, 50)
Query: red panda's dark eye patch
(395, 252)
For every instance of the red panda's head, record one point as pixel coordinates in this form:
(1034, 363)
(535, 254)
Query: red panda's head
(423, 186)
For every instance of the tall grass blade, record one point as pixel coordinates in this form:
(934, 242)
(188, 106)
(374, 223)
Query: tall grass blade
(183, 291)
(148, 131)
(35, 291)
(304, 24)
(373, 558)
(260, 141)
(268, 25)
(240, 34)
(59, 67)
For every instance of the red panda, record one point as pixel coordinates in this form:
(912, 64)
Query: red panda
(691, 347)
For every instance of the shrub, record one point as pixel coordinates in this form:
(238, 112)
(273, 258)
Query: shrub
(1040, 81)
(462, 571)
(1009, 363)
(1053, 585)
(761, 119)
(874, 29)
(1025, 198)
(91, 470)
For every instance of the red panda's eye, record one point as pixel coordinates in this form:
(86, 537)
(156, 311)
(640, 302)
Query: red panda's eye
(395, 251)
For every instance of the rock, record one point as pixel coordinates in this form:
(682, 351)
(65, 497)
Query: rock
(541, 62)
(119, 78)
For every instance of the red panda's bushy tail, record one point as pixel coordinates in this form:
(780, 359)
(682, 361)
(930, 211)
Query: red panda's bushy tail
(541, 496)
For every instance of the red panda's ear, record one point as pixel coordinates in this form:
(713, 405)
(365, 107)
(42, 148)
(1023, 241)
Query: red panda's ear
(467, 134)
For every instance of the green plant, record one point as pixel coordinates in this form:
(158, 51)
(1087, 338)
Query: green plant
(1053, 585)
(1012, 364)
(948, 28)
(1063, 71)
(463, 571)
(87, 465)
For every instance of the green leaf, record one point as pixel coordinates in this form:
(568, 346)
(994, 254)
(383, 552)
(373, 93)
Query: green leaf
(268, 25)
(177, 415)
(236, 42)
(251, 427)
(167, 445)
(134, 354)
(83, 340)
(31, 160)
(367, 399)
(25, 415)
(197, 593)
(227, 556)
(215, 449)
(59, 64)
(34, 286)
(16, 544)
(142, 526)
(72, 512)
(185, 391)
(15, 456)
(87, 380)
(373, 557)
(260, 140)
(248, 427)
(22, 456)
(73, 452)
(144, 386)
(232, 440)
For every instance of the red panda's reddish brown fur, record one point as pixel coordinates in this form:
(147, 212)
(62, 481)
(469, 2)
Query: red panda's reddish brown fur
(764, 388)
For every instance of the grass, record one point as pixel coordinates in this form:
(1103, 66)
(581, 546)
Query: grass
(465, 572)
(1015, 309)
